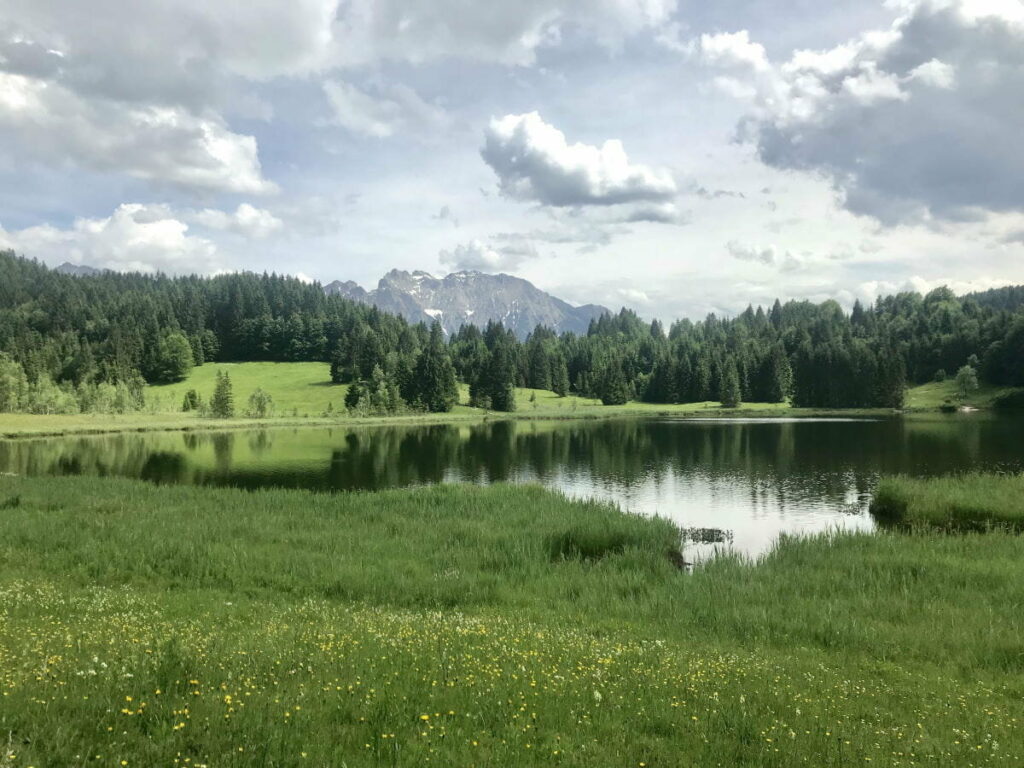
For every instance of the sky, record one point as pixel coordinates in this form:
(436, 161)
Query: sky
(673, 156)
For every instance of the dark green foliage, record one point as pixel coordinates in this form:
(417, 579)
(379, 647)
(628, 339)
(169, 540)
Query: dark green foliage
(611, 385)
(71, 334)
(434, 381)
(222, 404)
(174, 360)
(494, 386)
(376, 396)
(729, 388)
(1010, 401)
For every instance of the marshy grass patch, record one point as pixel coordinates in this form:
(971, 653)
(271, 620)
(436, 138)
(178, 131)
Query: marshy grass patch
(966, 502)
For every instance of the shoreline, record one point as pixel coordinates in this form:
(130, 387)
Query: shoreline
(27, 426)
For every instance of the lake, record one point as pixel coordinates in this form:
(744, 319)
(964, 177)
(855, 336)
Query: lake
(727, 482)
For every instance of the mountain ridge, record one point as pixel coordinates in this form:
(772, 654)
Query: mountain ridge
(473, 297)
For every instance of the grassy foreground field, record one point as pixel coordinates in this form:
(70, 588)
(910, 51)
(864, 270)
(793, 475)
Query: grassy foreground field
(500, 626)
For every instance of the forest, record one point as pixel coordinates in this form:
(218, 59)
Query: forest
(91, 343)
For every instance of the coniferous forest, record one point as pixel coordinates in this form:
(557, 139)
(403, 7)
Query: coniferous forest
(72, 343)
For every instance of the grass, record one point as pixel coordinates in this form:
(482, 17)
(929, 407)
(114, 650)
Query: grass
(956, 502)
(498, 626)
(298, 389)
(303, 393)
(934, 394)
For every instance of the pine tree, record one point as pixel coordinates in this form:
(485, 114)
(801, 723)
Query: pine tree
(780, 376)
(613, 389)
(222, 404)
(498, 379)
(559, 375)
(539, 376)
(437, 389)
(729, 390)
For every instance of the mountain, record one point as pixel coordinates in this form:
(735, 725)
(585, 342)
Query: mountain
(470, 297)
(77, 270)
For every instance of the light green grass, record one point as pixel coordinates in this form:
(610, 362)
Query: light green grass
(499, 626)
(934, 395)
(957, 502)
(298, 389)
(302, 393)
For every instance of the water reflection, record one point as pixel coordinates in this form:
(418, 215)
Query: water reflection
(738, 484)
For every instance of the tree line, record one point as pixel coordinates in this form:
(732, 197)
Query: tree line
(98, 339)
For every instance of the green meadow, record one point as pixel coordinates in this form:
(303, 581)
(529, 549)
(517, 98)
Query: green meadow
(500, 626)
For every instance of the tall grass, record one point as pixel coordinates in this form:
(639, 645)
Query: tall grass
(974, 501)
(498, 626)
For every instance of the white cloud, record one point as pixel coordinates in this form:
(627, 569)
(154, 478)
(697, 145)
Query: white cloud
(383, 111)
(476, 255)
(163, 144)
(506, 33)
(247, 220)
(935, 73)
(915, 122)
(134, 238)
(534, 162)
(733, 49)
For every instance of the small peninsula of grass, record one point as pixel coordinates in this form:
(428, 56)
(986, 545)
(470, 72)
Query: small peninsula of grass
(457, 625)
(958, 502)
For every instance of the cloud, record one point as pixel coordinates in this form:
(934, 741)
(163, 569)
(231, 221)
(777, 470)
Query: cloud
(504, 33)
(247, 221)
(768, 255)
(188, 53)
(382, 111)
(534, 162)
(733, 49)
(476, 255)
(446, 214)
(164, 144)
(134, 238)
(762, 255)
(918, 121)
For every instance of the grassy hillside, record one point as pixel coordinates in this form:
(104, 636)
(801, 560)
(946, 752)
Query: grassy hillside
(297, 388)
(934, 394)
(305, 389)
(501, 626)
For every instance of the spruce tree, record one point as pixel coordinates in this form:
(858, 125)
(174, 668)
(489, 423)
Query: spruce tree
(222, 404)
(559, 375)
(437, 389)
(729, 391)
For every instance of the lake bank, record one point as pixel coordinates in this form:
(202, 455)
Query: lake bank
(303, 395)
(489, 626)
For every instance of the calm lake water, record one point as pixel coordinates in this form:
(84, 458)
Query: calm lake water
(732, 483)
